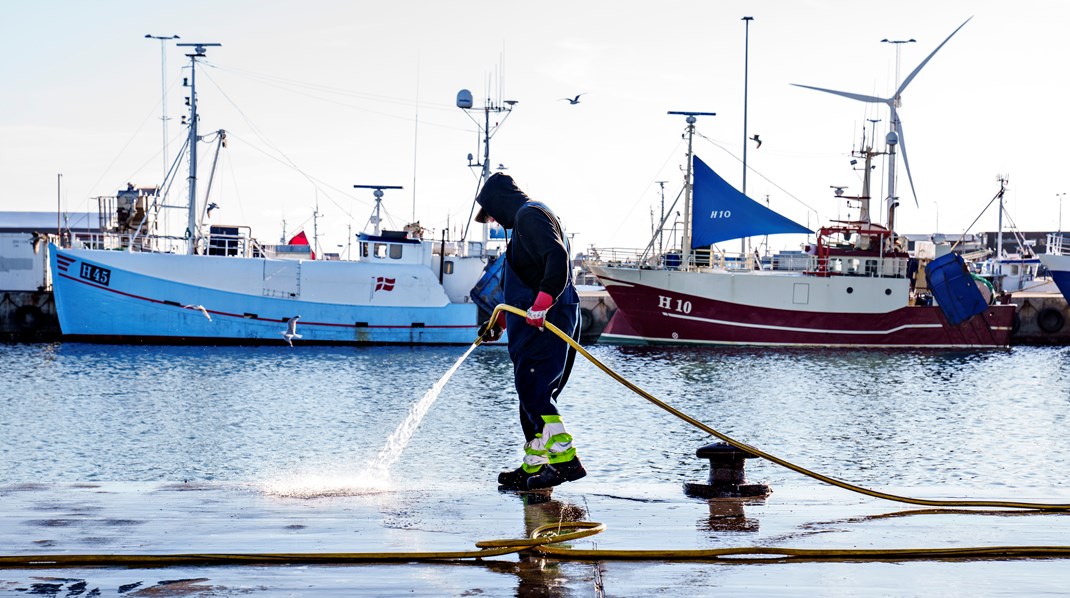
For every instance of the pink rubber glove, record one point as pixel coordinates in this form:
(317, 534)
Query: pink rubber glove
(537, 312)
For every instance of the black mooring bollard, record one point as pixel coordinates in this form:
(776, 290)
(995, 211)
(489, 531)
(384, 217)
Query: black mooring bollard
(727, 478)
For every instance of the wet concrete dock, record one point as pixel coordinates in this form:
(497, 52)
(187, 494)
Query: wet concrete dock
(172, 518)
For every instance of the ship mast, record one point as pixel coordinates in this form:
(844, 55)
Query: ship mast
(688, 185)
(378, 194)
(464, 102)
(192, 230)
(892, 139)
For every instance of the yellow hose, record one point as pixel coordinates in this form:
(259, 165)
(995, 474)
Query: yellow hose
(750, 449)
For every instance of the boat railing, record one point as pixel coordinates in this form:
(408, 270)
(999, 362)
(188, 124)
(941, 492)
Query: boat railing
(1058, 244)
(458, 248)
(707, 260)
(237, 244)
(618, 257)
(889, 267)
(699, 259)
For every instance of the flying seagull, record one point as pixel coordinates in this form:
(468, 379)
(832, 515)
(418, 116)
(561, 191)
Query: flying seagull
(199, 308)
(755, 138)
(212, 206)
(291, 330)
(575, 100)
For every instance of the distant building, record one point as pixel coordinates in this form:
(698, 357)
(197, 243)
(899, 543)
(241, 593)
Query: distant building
(984, 242)
(45, 222)
(1011, 240)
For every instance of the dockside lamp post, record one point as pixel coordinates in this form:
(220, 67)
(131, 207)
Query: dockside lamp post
(163, 89)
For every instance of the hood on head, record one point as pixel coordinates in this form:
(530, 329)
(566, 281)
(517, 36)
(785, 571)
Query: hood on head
(500, 199)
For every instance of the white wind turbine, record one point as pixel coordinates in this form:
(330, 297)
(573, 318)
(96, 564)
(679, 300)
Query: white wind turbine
(895, 136)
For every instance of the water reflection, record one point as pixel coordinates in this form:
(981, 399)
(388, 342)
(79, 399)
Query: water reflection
(729, 515)
(537, 575)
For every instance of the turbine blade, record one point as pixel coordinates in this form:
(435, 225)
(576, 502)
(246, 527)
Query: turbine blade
(846, 94)
(906, 162)
(914, 73)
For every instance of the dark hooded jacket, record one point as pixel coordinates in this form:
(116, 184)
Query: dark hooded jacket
(537, 252)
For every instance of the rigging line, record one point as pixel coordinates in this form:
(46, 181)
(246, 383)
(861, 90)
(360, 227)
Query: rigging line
(649, 184)
(231, 135)
(237, 192)
(252, 125)
(285, 159)
(129, 141)
(751, 169)
(337, 90)
(471, 211)
(415, 136)
(661, 225)
(1019, 237)
(360, 108)
(182, 136)
(962, 237)
(123, 150)
(318, 183)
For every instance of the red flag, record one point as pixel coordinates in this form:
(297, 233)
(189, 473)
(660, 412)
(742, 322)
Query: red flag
(301, 239)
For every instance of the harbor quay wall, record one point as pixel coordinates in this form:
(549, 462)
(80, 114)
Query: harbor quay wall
(28, 316)
(1042, 319)
(596, 308)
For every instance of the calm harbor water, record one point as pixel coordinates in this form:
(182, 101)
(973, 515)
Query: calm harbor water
(127, 449)
(86, 413)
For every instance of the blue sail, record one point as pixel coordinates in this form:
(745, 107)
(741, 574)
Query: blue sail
(721, 213)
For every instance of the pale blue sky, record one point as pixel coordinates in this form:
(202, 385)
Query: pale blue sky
(338, 87)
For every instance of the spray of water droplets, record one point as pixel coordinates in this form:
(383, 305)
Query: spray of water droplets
(397, 441)
(376, 477)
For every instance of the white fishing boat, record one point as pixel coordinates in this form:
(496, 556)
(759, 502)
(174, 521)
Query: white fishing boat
(1010, 271)
(217, 285)
(854, 287)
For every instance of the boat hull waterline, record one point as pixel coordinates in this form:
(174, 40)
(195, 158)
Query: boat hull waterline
(244, 304)
(781, 309)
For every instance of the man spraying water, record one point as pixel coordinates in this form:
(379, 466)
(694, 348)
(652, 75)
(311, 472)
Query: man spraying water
(538, 277)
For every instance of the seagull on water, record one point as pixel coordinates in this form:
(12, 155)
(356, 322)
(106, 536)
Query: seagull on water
(199, 308)
(291, 330)
(575, 100)
(755, 138)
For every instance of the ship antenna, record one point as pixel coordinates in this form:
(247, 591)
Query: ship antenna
(464, 102)
(191, 226)
(378, 193)
(688, 185)
(163, 90)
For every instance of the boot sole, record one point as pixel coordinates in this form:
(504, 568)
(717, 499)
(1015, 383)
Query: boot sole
(581, 473)
(522, 491)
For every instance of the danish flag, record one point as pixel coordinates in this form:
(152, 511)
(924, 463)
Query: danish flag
(384, 284)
